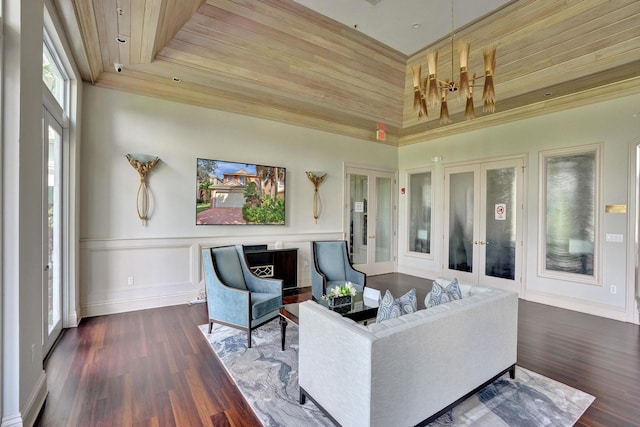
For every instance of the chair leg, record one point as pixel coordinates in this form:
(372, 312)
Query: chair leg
(249, 338)
(210, 326)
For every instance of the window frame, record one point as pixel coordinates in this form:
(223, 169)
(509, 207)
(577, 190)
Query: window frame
(69, 116)
(594, 279)
(409, 174)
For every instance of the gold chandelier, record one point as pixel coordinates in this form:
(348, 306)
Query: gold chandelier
(431, 91)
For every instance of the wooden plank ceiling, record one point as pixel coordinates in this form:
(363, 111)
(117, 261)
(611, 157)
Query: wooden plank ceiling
(278, 60)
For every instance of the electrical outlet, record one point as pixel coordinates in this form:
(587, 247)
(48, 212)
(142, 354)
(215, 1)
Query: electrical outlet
(130, 281)
(613, 289)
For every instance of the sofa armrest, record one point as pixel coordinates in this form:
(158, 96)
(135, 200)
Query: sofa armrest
(335, 363)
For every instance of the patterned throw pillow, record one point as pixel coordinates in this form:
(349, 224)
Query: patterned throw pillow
(440, 295)
(408, 302)
(390, 308)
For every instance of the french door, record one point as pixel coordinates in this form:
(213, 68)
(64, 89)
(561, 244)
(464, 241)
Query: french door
(370, 219)
(483, 223)
(52, 231)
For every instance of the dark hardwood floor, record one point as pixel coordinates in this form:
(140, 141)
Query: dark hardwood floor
(154, 368)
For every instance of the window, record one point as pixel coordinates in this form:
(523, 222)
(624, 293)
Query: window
(55, 102)
(569, 212)
(52, 74)
(420, 203)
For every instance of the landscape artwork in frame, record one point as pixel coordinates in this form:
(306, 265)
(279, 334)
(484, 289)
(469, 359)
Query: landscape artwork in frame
(229, 193)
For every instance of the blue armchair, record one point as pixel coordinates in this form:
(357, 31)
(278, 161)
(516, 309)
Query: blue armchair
(332, 267)
(235, 296)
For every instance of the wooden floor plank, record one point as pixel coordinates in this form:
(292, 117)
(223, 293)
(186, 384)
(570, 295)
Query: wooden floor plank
(154, 368)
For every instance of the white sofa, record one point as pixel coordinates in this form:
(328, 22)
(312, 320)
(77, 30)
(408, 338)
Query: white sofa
(403, 371)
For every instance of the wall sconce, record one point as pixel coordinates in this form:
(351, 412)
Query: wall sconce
(316, 178)
(143, 163)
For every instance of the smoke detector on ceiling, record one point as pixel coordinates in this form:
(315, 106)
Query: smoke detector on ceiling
(373, 2)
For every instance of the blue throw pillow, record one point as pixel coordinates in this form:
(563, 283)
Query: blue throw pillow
(440, 295)
(390, 308)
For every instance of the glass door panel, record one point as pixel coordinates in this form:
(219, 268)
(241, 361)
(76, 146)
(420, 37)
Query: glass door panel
(384, 219)
(420, 202)
(52, 289)
(461, 221)
(359, 191)
(500, 224)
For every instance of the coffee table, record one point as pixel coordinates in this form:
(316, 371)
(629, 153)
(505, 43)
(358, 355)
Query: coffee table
(359, 311)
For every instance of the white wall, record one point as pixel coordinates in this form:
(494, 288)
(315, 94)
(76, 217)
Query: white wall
(163, 256)
(610, 123)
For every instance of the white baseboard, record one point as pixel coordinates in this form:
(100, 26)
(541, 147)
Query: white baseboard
(72, 320)
(13, 420)
(32, 407)
(601, 310)
(113, 307)
(418, 272)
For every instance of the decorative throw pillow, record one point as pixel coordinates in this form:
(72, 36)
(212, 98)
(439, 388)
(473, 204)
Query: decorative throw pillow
(408, 302)
(440, 295)
(390, 308)
(387, 309)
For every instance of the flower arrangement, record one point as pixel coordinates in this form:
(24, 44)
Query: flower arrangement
(340, 291)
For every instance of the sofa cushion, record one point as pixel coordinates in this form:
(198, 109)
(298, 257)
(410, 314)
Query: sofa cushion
(440, 295)
(391, 308)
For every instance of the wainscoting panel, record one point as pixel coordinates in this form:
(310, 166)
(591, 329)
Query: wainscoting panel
(123, 276)
(134, 274)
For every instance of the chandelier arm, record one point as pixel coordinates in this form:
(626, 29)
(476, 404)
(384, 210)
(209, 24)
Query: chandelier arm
(419, 103)
(433, 96)
(444, 109)
(489, 93)
(463, 51)
(469, 111)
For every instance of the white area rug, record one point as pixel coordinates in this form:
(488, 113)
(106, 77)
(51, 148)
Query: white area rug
(268, 379)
